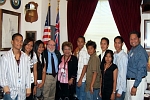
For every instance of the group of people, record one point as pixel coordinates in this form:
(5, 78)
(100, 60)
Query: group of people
(29, 70)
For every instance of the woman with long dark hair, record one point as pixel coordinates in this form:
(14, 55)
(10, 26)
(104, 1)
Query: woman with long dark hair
(109, 77)
(41, 67)
(28, 49)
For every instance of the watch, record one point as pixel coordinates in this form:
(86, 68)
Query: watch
(35, 84)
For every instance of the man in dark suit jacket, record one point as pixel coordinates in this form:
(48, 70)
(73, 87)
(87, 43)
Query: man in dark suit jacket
(52, 57)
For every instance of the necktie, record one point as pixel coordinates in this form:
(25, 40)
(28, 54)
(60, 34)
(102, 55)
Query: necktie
(53, 66)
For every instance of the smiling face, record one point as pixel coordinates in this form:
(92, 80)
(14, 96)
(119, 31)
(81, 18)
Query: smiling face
(91, 50)
(40, 48)
(29, 47)
(134, 40)
(104, 45)
(108, 58)
(67, 51)
(51, 46)
(17, 42)
(80, 43)
(118, 45)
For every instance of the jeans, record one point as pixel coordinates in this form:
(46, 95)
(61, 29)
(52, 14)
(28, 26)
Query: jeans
(122, 96)
(94, 95)
(80, 91)
(7, 97)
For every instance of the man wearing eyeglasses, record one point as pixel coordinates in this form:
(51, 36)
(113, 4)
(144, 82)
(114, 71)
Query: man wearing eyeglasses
(52, 57)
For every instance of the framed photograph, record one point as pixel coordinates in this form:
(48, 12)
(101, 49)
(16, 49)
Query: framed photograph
(9, 24)
(31, 34)
(2, 2)
(147, 34)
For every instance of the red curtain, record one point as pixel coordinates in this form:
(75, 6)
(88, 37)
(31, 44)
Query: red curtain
(79, 14)
(127, 16)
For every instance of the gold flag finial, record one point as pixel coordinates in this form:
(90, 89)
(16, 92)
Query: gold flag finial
(58, 4)
(49, 4)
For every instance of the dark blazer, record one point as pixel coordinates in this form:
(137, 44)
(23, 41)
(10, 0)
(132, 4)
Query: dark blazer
(46, 57)
(72, 67)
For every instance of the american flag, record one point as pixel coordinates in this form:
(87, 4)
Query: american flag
(47, 28)
(57, 32)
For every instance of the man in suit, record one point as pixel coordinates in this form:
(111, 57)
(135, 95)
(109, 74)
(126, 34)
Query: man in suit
(52, 57)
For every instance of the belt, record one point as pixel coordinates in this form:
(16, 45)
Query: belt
(49, 73)
(134, 78)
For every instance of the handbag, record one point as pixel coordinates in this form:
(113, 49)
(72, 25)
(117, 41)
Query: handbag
(1, 92)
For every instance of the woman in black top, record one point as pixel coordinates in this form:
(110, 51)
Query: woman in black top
(109, 77)
(67, 73)
(41, 67)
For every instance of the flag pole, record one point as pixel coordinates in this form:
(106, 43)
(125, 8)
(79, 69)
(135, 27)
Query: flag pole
(57, 31)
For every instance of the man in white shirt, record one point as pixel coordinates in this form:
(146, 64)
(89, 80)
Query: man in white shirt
(83, 59)
(15, 71)
(121, 60)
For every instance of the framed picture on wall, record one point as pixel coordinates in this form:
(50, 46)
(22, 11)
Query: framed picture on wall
(9, 24)
(147, 34)
(31, 34)
(2, 2)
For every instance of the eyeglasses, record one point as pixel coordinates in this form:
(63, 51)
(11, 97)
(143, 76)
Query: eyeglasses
(51, 44)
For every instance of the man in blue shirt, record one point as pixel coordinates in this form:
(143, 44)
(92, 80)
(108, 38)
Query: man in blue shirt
(121, 60)
(136, 69)
(52, 58)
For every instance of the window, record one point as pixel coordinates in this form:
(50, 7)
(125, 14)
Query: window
(102, 25)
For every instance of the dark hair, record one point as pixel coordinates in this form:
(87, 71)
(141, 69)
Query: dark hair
(35, 48)
(26, 41)
(15, 35)
(91, 43)
(111, 53)
(136, 32)
(104, 38)
(68, 44)
(119, 37)
(82, 38)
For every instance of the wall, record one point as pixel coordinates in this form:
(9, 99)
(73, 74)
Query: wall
(42, 12)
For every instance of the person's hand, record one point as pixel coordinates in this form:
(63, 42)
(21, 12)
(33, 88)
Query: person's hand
(112, 96)
(79, 83)
(100, 94)
(70, 82)
(28, 94)
(91, 89)
(148, 65)
(118, 95)
(133, 91)
(40, 85)
(34, 90)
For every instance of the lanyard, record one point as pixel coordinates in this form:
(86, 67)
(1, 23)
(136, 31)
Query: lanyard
(65, 61)
(18, 61)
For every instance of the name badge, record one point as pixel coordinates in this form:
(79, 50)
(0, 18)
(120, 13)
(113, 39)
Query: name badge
(32, 78)
(64, 75)
(131, 54)
(62, 70)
